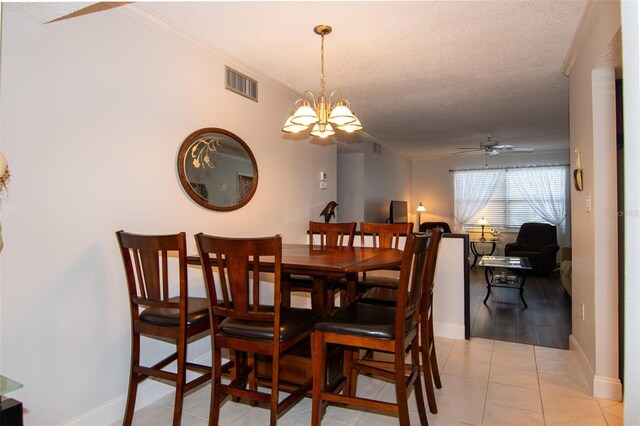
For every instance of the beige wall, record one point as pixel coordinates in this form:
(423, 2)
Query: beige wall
(93, 112)
(594, 338)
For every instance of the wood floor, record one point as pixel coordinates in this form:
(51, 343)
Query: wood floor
(546, 322)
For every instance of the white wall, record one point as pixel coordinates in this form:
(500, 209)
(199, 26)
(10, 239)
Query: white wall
(594, 251)
(433, 185)
(93, 111)
(387, 177)
(351, 184)
(368, 182)
(631, 63)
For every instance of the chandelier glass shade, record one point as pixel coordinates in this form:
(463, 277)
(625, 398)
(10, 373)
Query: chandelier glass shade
(322, 115)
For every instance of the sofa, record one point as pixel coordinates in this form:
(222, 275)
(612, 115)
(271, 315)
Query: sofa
(565, 268)
(539, 243)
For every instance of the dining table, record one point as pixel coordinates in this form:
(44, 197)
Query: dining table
(326, 264)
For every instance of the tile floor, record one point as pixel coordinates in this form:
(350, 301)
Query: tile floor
(485, 382)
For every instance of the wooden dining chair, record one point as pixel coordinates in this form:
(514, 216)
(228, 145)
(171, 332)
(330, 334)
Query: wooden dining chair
(392, 329)
(241, 323)
(162, 309)
(383, 235)
(388, 297)
(323, 236)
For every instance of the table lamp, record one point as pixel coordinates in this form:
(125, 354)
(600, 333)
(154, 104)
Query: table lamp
(420, 209)
(482, 222)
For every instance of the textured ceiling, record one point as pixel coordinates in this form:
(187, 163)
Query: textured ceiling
(424, 77)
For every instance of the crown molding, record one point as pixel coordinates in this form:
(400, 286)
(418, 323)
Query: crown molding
(144, 15)
(591, 12)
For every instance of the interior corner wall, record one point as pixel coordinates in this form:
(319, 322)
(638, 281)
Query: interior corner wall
(593, 251)
(351, 183)
(387, 177)
(94, 110)
(368, 181)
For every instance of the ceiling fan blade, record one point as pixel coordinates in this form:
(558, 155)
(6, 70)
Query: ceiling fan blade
(465, 152)
(519, 149)
(475, 148)
(503, 146)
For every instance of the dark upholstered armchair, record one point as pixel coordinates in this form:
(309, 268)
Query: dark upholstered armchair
(539, 243)
(425, 226)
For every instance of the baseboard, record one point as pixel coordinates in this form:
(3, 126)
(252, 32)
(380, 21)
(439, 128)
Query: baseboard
(599, 386)
(448, 330)
(607, 388)
(149, 392)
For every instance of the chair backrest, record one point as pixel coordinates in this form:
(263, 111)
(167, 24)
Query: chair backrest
(385, 235)
(332, 234)
(426, 226)
(145, 259)
(533, 236)
(237, 261)
(430, 264)
(410, 282)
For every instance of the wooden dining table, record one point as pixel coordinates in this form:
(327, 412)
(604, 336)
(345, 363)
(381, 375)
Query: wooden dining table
(328, 264)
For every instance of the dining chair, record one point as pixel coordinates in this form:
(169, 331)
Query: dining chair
(388, 297)
(393, 329)
(323, 236)
(383, 235)
(242, 324)
(162, 309)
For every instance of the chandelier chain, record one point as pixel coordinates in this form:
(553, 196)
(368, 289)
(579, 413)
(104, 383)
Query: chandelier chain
(322, 65)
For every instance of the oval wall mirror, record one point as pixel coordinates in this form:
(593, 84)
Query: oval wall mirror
(217, 169)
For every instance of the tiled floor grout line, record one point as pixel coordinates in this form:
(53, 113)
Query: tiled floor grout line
(486, 393)
(535, 360)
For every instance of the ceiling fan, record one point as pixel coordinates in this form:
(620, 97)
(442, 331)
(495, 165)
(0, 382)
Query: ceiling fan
(492, 147)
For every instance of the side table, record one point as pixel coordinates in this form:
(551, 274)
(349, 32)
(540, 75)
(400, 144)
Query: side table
(489, 243)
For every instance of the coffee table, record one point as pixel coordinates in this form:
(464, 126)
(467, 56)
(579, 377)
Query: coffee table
(517, 265)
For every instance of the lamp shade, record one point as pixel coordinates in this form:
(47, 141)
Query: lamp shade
(354, 126)
(322, 130)
(421, 208)
(290, 127)
(483, 222)
(341, 115)
(305, 116)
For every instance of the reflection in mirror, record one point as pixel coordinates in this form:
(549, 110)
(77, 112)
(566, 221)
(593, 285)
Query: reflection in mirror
(217, 169)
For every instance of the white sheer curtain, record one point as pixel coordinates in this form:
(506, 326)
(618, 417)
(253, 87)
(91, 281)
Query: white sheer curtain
(472, 190)
(544, 190)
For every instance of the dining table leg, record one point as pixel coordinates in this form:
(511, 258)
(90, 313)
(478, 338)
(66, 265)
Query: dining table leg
(352, 284)
(319, 300)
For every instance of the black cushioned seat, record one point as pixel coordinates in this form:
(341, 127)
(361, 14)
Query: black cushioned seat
(292, 322)
(380, 296)
(363, 319)
(539, 243)
(197, 313)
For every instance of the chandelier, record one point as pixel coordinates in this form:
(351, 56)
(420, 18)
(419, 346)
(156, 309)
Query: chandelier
(323, 115)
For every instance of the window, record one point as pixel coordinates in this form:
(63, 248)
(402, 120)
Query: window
(507, 198)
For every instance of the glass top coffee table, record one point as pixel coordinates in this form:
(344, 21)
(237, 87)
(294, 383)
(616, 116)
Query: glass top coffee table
(497, 273)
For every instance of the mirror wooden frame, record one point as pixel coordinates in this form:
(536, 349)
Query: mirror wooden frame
(186, 185)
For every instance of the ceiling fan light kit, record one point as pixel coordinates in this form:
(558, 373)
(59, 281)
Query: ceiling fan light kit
(322, 114)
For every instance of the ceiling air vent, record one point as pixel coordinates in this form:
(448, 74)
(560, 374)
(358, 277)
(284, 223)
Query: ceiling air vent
(241, 84)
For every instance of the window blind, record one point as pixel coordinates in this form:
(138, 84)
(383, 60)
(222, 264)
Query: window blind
(507, 207)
